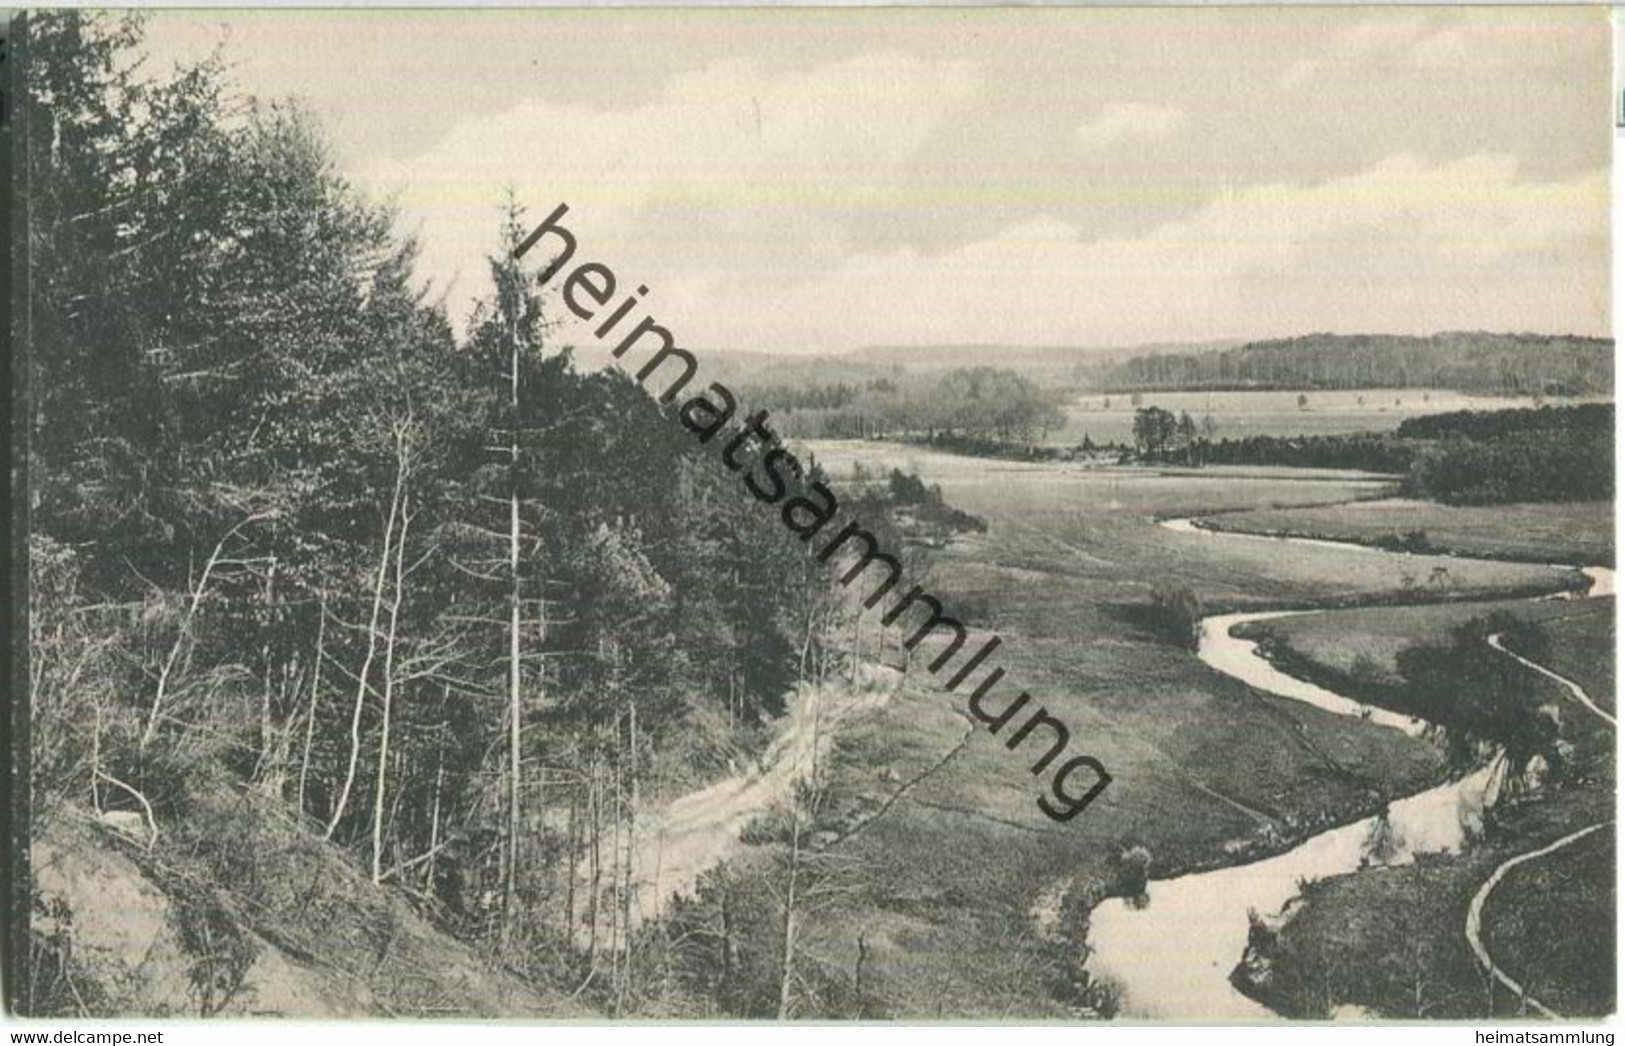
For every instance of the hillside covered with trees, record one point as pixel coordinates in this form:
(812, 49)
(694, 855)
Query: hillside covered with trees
(1467, 361)
(327, 599)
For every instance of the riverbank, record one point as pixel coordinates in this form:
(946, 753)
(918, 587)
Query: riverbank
(1545, 532)
(1336, 948)
(1545, 927)
(1407, 834)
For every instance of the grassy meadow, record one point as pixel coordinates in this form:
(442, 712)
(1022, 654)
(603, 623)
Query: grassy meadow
(1583, 647)
(1109, 417)
(1204, 768)
(1366, 641)
(1549, 919)
(1550, 532)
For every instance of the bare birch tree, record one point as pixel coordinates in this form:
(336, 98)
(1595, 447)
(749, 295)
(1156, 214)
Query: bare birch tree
(396, 498)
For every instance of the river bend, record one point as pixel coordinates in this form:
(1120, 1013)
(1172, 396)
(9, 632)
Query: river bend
(1173, 955)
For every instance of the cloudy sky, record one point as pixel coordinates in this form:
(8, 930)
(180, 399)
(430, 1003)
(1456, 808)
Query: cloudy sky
(815, 180)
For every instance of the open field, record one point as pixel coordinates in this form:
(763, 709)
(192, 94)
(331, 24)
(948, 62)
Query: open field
(1366, 641)
(1109, 417)
(1203, 767)
(1549, 532)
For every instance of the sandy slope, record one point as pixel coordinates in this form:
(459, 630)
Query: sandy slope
(679, 841)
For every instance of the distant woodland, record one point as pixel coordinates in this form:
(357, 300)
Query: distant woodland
(1463, 457)
(1493, 457)
(1473, 362)
(991, 404)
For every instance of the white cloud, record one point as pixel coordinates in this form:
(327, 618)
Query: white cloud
(732, 196)
(1403, 246)
(1129, 122)
(1480, 45)
(734, 166)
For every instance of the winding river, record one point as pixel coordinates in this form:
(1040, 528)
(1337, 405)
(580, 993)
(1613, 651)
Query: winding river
(1173, 955)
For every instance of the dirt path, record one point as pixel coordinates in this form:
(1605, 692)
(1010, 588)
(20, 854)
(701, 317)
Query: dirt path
(1577, 691)
(1475, 915)
(1475, 910)
(678, 842)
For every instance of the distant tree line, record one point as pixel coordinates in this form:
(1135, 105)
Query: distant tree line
(1465, 457)
(985, 447)
(977, 403)
(1368, 451)
(1494, 364)
(1494, 457)
(914, 501)
(1577, 419)
(814, 395)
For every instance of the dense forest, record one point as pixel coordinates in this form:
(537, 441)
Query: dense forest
(1475, 362)
(1578, 421)
(1547, 454)
(306, 564)
(1464, 457)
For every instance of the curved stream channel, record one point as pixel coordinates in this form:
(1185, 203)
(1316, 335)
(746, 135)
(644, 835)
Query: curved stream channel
(1173, 955)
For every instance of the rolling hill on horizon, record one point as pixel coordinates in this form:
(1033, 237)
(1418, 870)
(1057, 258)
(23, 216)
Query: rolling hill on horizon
(1021, 356)
(1467, 361)
(1470, 362)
